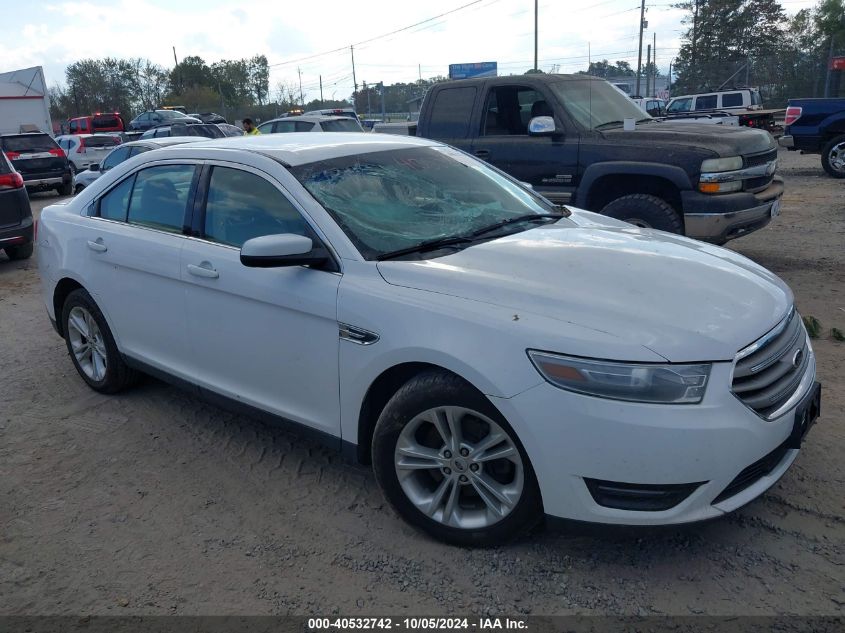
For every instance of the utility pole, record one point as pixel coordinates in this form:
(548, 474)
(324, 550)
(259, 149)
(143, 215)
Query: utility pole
(354, 81)
(640, 54)
(654, 68)
(321, 91)
(176, 62)
(647, 70)
(536, 10)
(419, 68)
(381, 85)
(301, 98)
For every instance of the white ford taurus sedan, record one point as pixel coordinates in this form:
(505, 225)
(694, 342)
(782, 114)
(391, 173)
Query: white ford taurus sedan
(495, 357)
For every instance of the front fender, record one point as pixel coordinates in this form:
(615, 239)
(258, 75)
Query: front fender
(675, 175)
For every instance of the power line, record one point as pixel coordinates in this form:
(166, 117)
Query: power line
(378, 37)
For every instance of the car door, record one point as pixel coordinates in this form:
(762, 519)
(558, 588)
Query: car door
(267, 337)
(133, 247)
(548, 164)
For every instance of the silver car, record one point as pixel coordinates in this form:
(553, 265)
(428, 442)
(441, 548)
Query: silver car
(84, 178)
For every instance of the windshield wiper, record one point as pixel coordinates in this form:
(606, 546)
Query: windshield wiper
(528, 217)
(606, 123)
(428, 245)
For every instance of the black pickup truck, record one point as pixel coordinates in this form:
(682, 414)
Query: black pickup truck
(817, 126)
(565, 136)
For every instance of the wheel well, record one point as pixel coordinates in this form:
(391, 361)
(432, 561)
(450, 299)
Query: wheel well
(63, 289)
(382, 390)
(608, 188)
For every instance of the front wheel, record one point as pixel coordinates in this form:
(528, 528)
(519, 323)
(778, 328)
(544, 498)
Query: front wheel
(450, 464)
(645, 211)
(833, 157)
(91, 345)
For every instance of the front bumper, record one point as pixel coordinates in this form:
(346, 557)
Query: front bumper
(571, 438)
(719, 218)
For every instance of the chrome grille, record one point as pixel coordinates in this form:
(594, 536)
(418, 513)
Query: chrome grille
(769, 371)
(752, 160)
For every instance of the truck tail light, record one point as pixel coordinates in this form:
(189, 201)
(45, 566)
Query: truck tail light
(11, 181)
(793, 113)
(57, 151)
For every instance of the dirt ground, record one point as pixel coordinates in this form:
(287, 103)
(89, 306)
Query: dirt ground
(154, 502)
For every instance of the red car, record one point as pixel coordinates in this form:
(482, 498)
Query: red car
(99, 122)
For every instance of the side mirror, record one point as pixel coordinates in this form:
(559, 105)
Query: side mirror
(542, 126)
(94, 167)
(286, 249)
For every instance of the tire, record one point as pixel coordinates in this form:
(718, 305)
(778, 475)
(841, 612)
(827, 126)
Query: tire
(113, 374)
(20, 252)
(833, 157)
(646, 211)
(65, 189)
(78, 189)
(406, 420)
(73, 169)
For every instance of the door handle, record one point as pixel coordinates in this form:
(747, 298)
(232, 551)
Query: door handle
(483, 153)
(97, 246)
(203, 270)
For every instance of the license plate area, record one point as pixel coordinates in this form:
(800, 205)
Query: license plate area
(806, 414)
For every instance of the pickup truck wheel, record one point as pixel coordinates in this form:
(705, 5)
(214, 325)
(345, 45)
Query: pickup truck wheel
(451, 465)
(645, 211)
(833, 157)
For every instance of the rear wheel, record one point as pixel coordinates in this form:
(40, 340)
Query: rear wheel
(91, 345)
(833, 157)
(65, 189)
(645, 211)
(20, 252)
(78, 188)
(451, 465)
(73, 169)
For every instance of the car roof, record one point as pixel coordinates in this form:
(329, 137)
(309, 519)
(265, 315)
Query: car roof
(300, 148)
(25, 134)
(162, 141)
(311, 118)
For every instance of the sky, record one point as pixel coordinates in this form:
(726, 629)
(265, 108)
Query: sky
(54, 34)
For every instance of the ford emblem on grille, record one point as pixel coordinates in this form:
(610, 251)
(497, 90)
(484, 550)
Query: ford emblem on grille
(797, 357)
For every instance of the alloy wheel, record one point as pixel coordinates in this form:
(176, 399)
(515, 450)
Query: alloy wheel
(459, 467)
(87, 343)
(836, 157)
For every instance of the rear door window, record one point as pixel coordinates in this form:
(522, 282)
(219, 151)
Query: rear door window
(109, 121)
(451, 112)
(731, 99)
(74, 127)
(284, 126)
(242, 205)
(113, 205)
(707, 102)
(304, 126)
(160, 197)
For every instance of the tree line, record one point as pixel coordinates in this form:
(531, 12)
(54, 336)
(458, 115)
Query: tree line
(753, 42)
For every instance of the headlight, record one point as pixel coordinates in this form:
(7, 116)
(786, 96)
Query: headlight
(721, 164)
(636, 382)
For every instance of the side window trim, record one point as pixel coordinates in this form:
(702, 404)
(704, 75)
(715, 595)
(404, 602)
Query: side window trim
(198, 222)
(187, 218)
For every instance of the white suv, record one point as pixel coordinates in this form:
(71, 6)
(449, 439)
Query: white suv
(495, 357)
(84, 150)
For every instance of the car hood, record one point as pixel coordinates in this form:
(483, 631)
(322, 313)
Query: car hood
(725, 140)
(682, 299)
